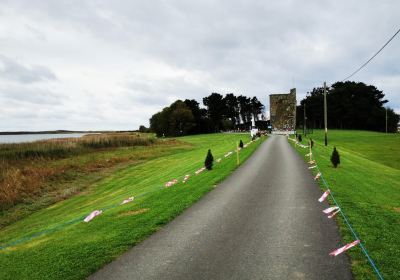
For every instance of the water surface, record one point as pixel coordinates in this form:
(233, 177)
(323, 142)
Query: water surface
(20, 138)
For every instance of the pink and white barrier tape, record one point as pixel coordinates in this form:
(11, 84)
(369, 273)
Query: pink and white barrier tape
(200, 170)
(186, 178)
(333, 214)
(228, 154)
(129, 199)
(170, 183)
(330, 209)
(344, 248)
(92, 215)
(324, 196)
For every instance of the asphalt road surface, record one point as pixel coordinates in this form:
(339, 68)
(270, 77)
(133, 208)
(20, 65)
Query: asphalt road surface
(263, 222)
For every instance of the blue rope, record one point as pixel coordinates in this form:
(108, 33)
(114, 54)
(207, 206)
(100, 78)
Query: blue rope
(364, 250)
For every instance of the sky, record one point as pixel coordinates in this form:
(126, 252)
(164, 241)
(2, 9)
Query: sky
(110, 65)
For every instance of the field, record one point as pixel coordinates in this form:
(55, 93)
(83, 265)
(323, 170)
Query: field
(54, 243)
(367, 186)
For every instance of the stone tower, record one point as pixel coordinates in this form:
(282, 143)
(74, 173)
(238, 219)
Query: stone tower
(283, 111)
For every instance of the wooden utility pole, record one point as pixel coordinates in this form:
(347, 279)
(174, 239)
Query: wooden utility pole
(325, 116)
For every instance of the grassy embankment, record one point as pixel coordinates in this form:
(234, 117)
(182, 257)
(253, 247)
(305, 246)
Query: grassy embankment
(71, 249)
(367, 187)
(35, 175)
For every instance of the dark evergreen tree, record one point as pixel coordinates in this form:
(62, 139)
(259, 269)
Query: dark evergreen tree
(232, 108)
(299, 138)
(216, 109)
(245, 108)
(256, 108)
(351, 105)
(335, 157)
(241, 144)
(311, 143)
(208, 163)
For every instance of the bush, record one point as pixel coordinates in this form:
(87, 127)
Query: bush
(335, 157)
(208, 163)
(241, 144)
(299, 138)
(311, 143)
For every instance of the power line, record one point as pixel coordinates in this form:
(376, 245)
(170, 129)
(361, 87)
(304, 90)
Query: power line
(365, 64)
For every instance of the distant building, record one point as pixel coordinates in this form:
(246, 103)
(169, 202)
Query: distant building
(283, 111)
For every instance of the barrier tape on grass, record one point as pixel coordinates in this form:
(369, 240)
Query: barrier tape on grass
(338, 209)
(87, 218)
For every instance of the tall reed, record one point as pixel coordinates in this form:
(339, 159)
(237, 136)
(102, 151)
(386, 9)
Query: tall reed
(22, 168)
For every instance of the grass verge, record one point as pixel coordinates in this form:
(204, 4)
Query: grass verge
(367, 186)
(31, 183)
(71, 249)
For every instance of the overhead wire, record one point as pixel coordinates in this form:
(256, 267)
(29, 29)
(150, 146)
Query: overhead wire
(369, 60)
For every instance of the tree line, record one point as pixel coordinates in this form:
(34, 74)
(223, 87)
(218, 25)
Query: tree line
(220, 113)
(351, 105)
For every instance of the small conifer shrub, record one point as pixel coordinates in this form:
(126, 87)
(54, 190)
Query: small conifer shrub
(311, 143)
(241, 144)
(335, 157)
(208, 163)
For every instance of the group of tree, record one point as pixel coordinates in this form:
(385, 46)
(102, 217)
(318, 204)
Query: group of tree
(351, 105)
(220, 112)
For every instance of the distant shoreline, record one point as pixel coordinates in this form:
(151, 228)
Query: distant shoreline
(60, 132)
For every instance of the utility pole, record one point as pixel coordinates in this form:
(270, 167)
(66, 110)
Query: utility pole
(325, 116)
(386, 119)
(305, 121)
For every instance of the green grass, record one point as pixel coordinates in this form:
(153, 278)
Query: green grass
(367, 186)
(71, 249)
(51, 180)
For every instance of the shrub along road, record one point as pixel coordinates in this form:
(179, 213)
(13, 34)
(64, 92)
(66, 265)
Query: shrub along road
(263, 222)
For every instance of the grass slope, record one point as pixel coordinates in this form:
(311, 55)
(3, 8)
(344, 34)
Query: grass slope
(71, 249)
(367, 187)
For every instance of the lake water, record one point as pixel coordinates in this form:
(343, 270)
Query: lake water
(20, 138)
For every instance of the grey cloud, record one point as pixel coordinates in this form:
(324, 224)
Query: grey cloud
(246, 47)
(16, 95)
(12, 70)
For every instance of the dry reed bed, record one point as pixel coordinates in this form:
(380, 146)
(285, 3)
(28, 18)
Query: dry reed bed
(26, 167)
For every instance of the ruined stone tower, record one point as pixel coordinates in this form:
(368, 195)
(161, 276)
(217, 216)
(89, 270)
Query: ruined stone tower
(283, 111)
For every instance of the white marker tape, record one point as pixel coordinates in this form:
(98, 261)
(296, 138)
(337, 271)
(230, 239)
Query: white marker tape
(200, 170)
(312, 167)
(186, 178)
(344, 248)
(228, 154)
(170, 183)
(307, 155)
(311, 162)
(330, 209)
(317, 176)
(92, 215)
(219, 160)
(130, 199)
(324, 195)
(333, 214)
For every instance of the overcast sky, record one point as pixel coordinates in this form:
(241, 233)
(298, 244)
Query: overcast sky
(83, 65)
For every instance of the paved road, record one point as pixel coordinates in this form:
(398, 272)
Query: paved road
(263, 222)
